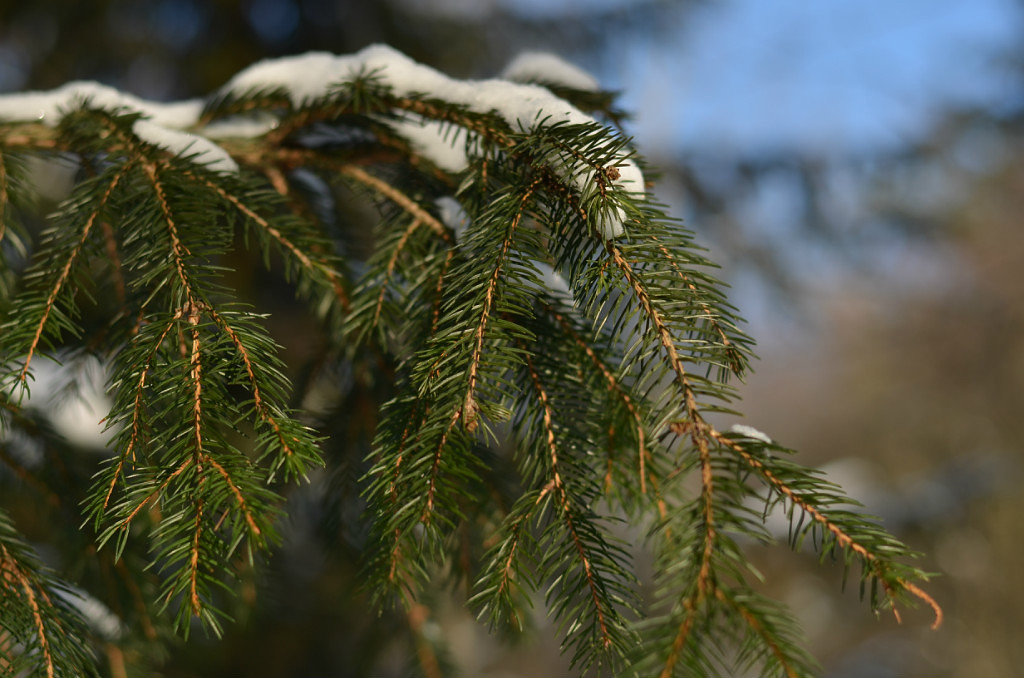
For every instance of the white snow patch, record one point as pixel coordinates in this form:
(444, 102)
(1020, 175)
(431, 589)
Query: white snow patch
(241, 126)
(76, 413)
(555, 283)
(160, 126)
(50, 107)
(200, 149)
(305, 76)
(547, 68)
(453, 216)
(99, 616)
(441, 144)
(311, 76)
(750, 432)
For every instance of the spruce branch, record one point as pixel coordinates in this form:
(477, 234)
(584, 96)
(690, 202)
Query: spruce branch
(310, 260)
(602, 570)
(43, 630)
(38, 313)
(555, 362)
(849, 531)
(639, 426)
(420, 215)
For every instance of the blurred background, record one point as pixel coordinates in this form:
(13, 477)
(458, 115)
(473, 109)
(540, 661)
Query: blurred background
(857, 168)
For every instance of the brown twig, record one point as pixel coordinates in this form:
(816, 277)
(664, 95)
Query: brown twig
(399, 198)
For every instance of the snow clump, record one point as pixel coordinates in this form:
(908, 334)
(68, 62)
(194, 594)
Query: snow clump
(549, 69)
(308, 77)
(749, 432)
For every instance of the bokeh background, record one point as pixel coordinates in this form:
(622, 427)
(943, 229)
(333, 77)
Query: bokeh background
(857, 168)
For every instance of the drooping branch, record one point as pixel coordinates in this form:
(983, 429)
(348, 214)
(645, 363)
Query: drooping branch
(469, 408)
(614, 385)
(490, 344)
(842, 536)
(307, 260)
(65, 272)
(562, 498)
(14, 578)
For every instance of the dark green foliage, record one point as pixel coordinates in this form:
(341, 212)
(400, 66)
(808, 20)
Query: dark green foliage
(521, 433)
(42, 630)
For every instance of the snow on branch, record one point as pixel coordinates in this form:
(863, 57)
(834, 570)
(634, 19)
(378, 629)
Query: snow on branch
(306, 78)
(538, 379)
(50, 107)
(161, 126)
(309, 77)
(547, 68)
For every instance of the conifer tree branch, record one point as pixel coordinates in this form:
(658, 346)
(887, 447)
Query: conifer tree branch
(394, 554)
(682, 635)
(136, 417)
(389, 271)
(195, 604)
(178, 250)
(571, 320)
(603, 174)
(405, 202)
(878, 565)
(124, 523)
(758, 627)
(516, 529)
(65, 271)
(308, 262)
(664, 335)
(643, 453)
(736, 362)
(486, 126)
(15, 578)
(469, 408)
(287, 443)
(562, 499)
(239, 498)
(393, 149)
(198, 455)
(703, 585)
(435, 468)
(42, 632)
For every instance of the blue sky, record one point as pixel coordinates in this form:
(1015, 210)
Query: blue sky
(821, 76)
